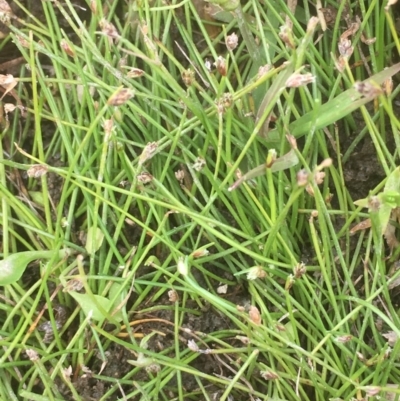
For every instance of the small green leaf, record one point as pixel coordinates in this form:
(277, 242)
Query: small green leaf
(362, 202)
(87, 304)
(13, 266)
(94, 240)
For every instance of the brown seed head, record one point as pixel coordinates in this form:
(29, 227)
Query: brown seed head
(220, 65)
(67, 48)
(37, 170)
(297, 80)
(188, 77)
(286, 34)
(120, 97)
(108, 29)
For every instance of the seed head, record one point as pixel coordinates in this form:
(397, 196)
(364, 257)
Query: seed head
(231, 41)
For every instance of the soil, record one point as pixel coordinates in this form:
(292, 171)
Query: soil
(362, 172)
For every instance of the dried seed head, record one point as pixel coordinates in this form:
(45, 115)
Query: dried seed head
(344, 339)
(302, 178)
(199, 164)
(32, 355)
(255, 315)
(387, 86)
(374, 204)
(231, 41)
(75, 284)
(199, 253)
(135, 73)
(22, 41)
(255, 273)
(67, 48)
(345, 47)
(120, 97)
(325, 163)
(340, 64)
(269, 375)
(93, 6)
(67, 373)
(296, 80)
(193, 346)
(9, 108)
(392, 338)
(37, 170)
(310, 190)
(188, 77)
(8, 82)
(264, 69)
(372, 390)
(153, 368)
(6, 12)
(108, 29)
(319, 177)
(299, 270)
(173, 296)
(243, 339)
(286, 34)
(180, 175)
(145, 177)
(289, 282)
(389, 4)
(122, 63)
(220, 65)
(108, 126)
(312, 24)
(148, 152)
(227, 100)
(368, 89)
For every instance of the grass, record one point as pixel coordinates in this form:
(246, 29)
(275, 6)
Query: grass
(137, 170)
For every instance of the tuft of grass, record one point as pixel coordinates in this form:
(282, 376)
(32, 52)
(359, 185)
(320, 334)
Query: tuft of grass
(262, 292)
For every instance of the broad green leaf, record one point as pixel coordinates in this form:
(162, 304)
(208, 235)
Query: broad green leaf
(13, 266)
(393, 181)
(115, 291)
(94, 240)
(334, 109)
(87, 304)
